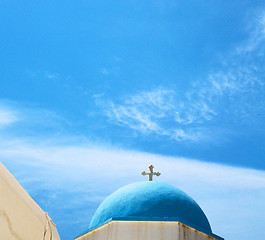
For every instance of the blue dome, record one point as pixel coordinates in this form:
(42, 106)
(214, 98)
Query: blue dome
(149, 201)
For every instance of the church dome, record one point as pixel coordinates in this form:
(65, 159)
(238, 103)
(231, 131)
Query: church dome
(151, 201)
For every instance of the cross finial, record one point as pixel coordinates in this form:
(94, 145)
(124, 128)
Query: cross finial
(151, 173)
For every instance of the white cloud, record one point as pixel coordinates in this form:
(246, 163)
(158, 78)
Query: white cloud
(7, 116)
(95, 172)
(133, 117)
(52, 75)
(257, 36)
(20, 119)
(104, 71)
(108, 162)
(162, 112)
(234, 93)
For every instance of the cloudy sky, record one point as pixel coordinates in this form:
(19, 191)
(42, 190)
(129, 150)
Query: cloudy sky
(92, 92)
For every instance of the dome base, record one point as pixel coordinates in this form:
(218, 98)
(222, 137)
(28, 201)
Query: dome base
(120, 229)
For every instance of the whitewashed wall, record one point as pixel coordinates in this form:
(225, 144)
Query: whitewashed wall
(126, 230)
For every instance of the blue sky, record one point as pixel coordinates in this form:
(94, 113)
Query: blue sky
(92, 92)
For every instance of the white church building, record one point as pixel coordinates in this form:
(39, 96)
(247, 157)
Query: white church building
(149, 211)
(139, 211)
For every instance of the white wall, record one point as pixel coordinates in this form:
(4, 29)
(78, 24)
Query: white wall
(133, 230)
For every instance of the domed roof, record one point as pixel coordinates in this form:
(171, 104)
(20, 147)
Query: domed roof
(151, 201)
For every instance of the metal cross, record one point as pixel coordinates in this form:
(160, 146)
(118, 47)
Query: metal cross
(151, 173)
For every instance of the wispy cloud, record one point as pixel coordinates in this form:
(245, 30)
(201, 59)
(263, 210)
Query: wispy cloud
(162, 112)
(28, 120)
(69, 160)
(257, 36)
(44, 75)
(104, 71)
(52, 75)
(140, 111)
(7, 117)
(87, 174)
(233, 93)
